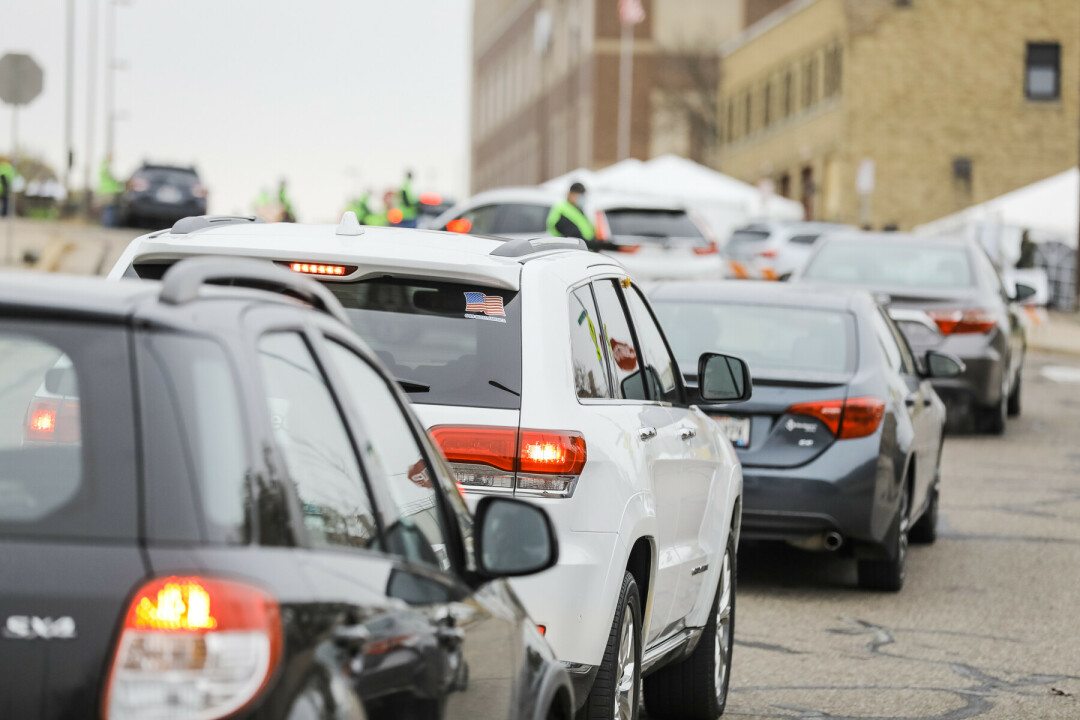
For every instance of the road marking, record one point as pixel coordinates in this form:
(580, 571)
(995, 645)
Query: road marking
(1061, 373)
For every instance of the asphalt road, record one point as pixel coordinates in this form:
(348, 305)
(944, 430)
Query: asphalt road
(988, 623)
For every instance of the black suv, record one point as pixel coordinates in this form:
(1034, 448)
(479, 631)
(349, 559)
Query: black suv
(159, 195)
(214, 502)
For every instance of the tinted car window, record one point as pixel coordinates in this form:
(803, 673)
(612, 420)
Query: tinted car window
(521, 218)
(907, 360)
(905, 263)
(887, 341)
(193, 430)
(67, 439)
(661, 371)
(482, 219)
(773, 340)
(445, 343)
(165, 176)
(413, 521)
(586, 347)
(803, 239)
(315, 445)
(624, 356)
(652, 223)
(749, 236)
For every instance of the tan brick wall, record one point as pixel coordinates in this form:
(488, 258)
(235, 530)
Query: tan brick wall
(921, 86)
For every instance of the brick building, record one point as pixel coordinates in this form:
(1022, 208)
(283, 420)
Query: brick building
(953, 102)
(545, 90)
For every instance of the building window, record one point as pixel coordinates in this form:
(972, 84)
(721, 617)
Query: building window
(1042, 71)
(833, 70)
(748, 124)
(731, 120)
(789, 84)
(810, 80)
(767, 99)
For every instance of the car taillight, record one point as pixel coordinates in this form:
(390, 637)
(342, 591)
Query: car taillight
(459, 225)
(138, 184)
(767, 254)
(430, 198)
(193, 647)
(52, 421)
(710, 249)
(321, 269)
(603, 230)
(976, 321)
(846, 419)
(539, 462)
(199, 191)
(628, 248)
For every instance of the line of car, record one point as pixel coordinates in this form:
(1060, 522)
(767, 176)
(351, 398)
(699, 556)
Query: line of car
(354, 509)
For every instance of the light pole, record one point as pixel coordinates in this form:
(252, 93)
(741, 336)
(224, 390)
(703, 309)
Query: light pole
(91, 89)
(69, 101)
(112, 66)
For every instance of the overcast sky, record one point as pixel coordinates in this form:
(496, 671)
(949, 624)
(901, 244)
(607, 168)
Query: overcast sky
(335, 95)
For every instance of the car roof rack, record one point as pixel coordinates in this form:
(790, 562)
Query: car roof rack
(195, 223)
(523, 247)
(181, 282)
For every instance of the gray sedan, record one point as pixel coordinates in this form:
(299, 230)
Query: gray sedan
(841, 441)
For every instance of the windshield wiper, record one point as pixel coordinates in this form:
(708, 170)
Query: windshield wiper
(412, 387)
(499, 385)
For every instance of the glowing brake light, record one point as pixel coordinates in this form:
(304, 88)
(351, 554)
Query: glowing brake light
(545, 462)
(977, 321)
(846, 419)
(43, 420)
(603, 231)
(395, 216)
(459, 225)
(430, 198)
(628, 248)
(318, 269)
(710, 249)
(193, 647)
(53, 421)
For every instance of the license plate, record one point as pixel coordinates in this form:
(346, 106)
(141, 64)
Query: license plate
(736, 429)
(169, 195)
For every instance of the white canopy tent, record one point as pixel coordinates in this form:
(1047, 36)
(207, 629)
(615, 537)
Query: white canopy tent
(724, 202)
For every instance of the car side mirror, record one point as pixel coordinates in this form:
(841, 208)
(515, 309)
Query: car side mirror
(513, 538)
(942, 365)
(1023, 292)
(723, 379)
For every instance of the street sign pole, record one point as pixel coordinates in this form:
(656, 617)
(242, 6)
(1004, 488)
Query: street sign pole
(10, 254)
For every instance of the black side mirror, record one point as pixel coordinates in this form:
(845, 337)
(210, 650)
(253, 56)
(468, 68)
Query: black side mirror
(513, 538)
(1023, 292)
(942, 365)
(723, 379)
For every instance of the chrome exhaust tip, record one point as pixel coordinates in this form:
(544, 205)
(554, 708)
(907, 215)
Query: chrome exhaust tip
(832, 541)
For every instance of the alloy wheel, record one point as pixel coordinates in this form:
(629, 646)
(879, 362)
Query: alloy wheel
(723, 635)
(625, 690)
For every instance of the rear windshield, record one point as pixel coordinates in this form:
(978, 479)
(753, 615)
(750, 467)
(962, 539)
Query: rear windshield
(778, 342)
(901, 264)
(445, 343)
(808, 239)
(749, 236)
(521, 219)
(660, 224)
(67, 443)
(166, 176)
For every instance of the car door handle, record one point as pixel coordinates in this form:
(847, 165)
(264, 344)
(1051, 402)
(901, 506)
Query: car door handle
(685, 433)
(910, 400)
(926, 401)
(646, 433)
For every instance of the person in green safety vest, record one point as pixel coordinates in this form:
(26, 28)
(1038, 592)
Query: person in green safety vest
(109, 189)
(7, 186)
(361, 206)
(407, 203)
(287, 214)
(567, 220)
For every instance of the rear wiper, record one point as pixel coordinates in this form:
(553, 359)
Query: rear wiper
(499, 385)
(412, 387)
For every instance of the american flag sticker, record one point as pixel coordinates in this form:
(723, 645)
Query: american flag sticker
(489, 306)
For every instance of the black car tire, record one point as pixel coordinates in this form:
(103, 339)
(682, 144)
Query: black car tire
(602, 699)
(688, 690)
(924, 532)
(888, 575)
(1014, 398)
(991, 420)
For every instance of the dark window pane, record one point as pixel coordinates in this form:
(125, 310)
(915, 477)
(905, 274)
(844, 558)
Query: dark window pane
(482, 219)
(1042, 76)
(646, 223)
(661, 371)
(521, 219)
(904, 264)
(628, 382)
(441, 351)
(586, 347)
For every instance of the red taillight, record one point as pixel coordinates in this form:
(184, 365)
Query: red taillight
(193, 647)
(544, 461)
(430, 198)
(853, 418)
(977, 321)
(603, 231)
(542, 629)
(138, 184)
(459, 225)
(767, 254)
(199, 191)
(628, 248)
(710, 249)
(394, 216)
(321, 269)
(53, 421)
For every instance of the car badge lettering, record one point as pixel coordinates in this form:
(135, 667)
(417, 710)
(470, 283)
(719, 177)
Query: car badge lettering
(793, 425)
(32, 627)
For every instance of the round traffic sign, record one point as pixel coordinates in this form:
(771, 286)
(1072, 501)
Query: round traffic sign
(21, 79)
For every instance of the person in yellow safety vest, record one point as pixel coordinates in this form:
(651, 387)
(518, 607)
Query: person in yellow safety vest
(109, 188)
(285, 201)
(408, 203)
(7, 187)
(361, 206)
(567, 220)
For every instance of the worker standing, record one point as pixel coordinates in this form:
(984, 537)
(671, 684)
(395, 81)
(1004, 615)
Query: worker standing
(361, 206)
(109, 189)
(287, 214)
(7, 187)
(566, 219)
(408, 203)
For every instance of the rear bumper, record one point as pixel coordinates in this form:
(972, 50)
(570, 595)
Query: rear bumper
(838, 491)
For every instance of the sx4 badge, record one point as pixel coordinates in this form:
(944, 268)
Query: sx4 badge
(31, 627)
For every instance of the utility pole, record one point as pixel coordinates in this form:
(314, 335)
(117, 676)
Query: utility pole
(69, 100)
(91, 89)
(110, 78)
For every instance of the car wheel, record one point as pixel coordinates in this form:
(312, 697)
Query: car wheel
(1014, 398)
(616, 692)
(697, 688)
(992, 419)
(924, 532)
(889, 574)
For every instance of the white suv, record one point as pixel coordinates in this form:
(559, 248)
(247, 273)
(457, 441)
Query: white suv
(541, 371)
